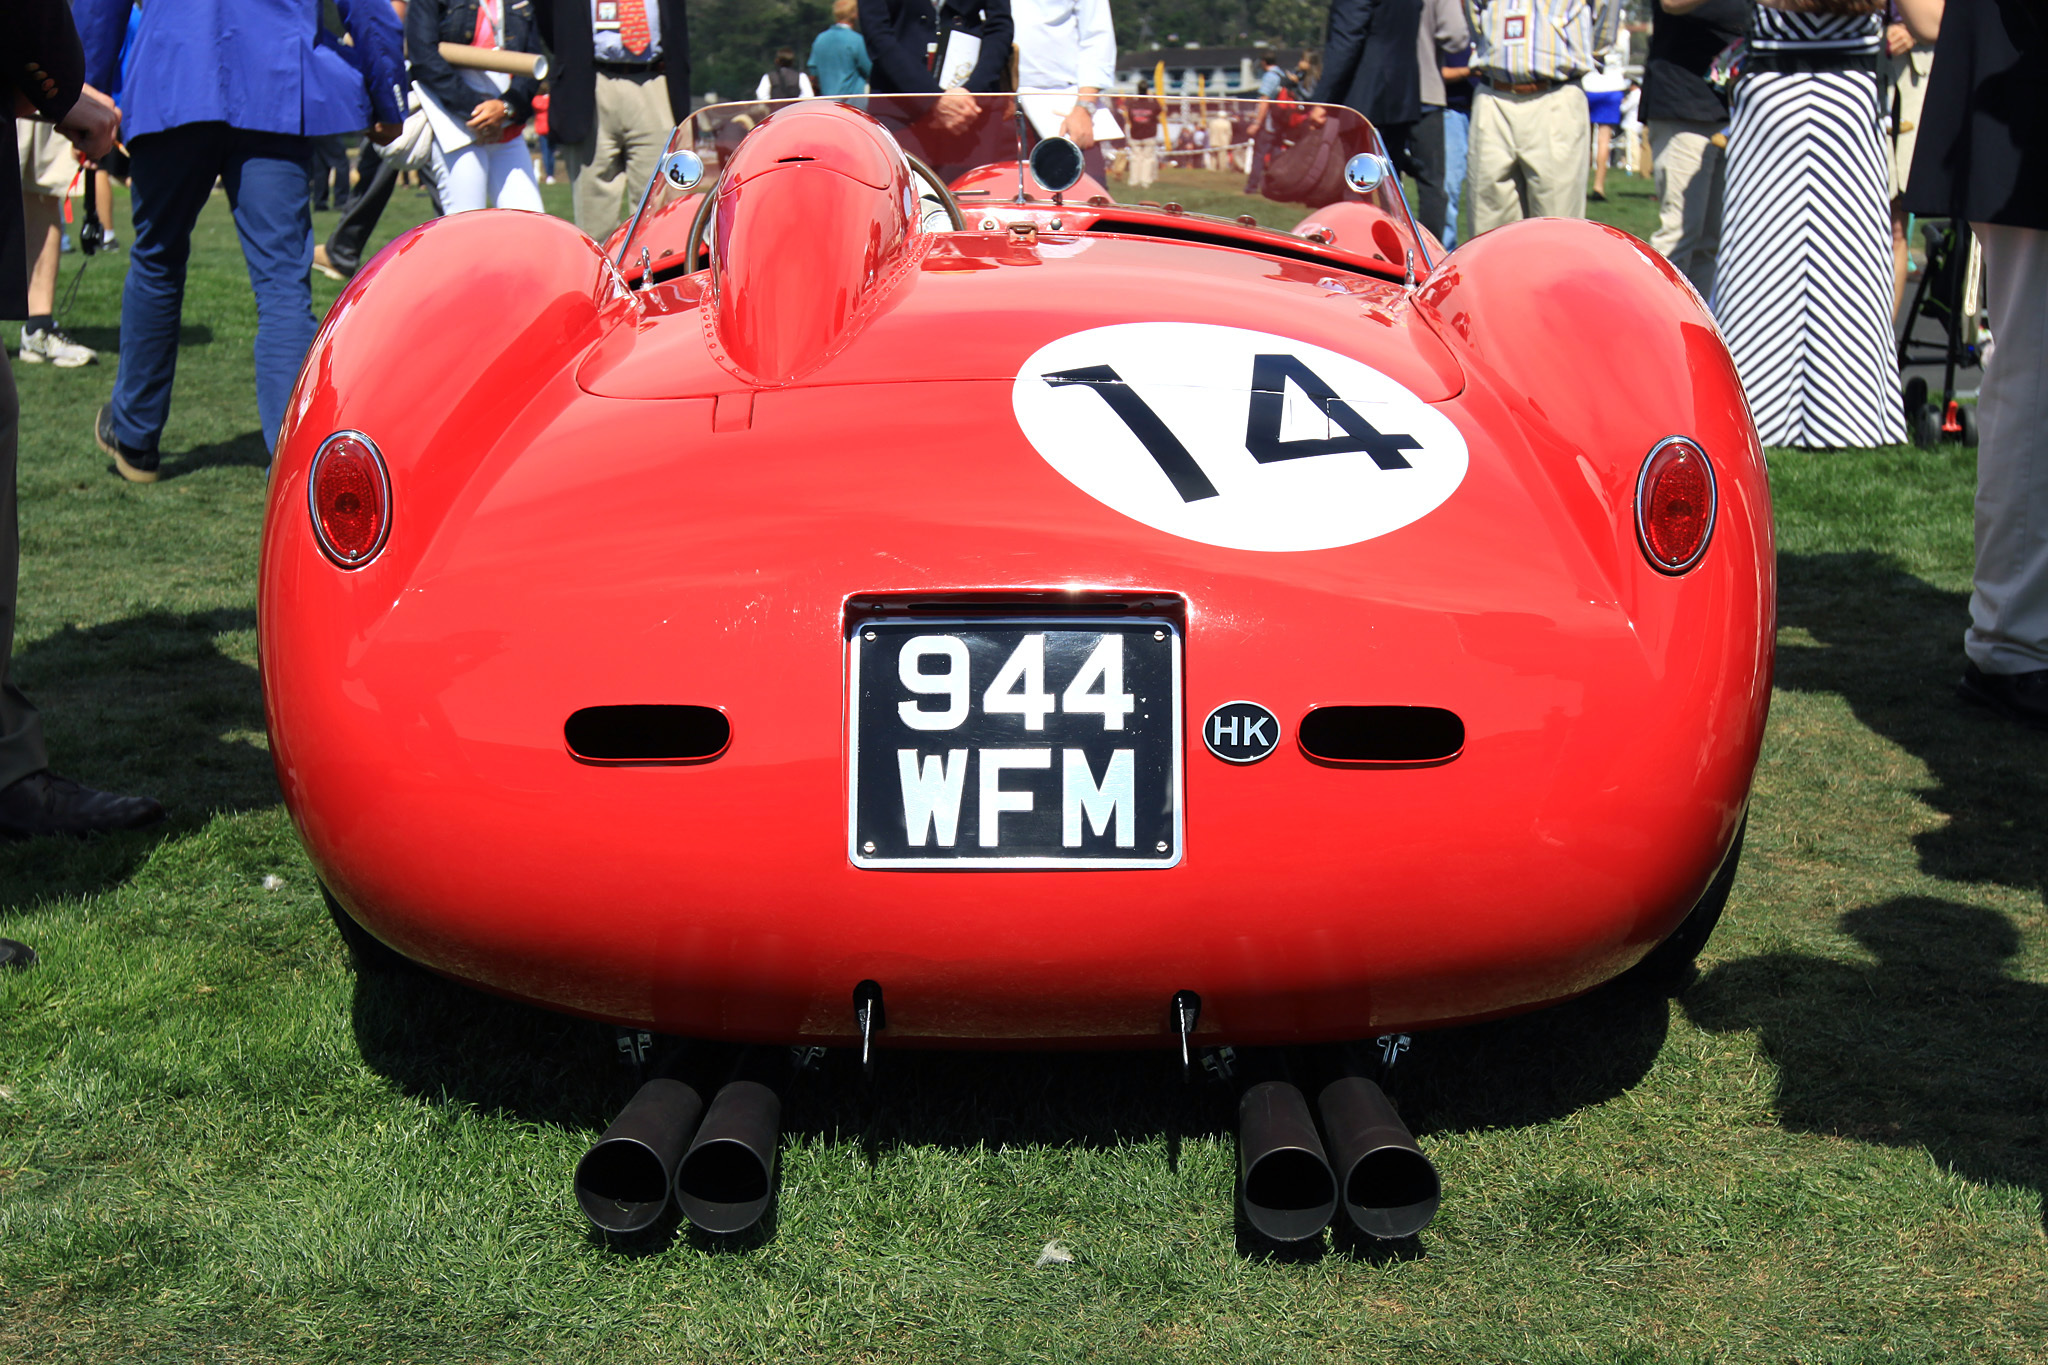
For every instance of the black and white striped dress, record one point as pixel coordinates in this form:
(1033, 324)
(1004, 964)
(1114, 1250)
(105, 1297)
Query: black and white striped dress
(1803, 289)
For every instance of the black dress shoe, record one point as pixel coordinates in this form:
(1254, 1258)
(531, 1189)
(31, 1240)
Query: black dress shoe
(44, 803)
(136, 466)
(14, 954)
(2016, 696)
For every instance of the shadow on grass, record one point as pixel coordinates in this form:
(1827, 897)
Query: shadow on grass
(107, 340)
(145, 704)
(246, 450)
(1890, 645)
(1936, 1045)
(447, 1043)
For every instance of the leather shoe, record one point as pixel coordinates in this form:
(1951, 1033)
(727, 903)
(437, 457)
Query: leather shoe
(136, 466)
(2016, 696)
(44, 803)
(14, 954)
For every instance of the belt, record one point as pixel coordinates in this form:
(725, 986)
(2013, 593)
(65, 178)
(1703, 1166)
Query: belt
(653, 68)
(1876, 63)
(1530, 87)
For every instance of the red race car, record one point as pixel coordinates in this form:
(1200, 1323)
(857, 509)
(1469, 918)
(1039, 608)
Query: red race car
(894, 593)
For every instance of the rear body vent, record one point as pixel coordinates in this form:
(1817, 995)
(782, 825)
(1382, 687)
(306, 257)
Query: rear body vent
(1382, 734)
(647, 734)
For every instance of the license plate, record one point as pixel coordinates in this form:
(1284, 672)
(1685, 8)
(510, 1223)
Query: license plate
(1015, 744)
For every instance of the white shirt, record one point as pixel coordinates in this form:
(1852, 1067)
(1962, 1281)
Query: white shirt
(607, 46)
(1064, 44)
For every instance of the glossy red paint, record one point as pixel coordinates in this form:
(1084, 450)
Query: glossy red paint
(670, 495)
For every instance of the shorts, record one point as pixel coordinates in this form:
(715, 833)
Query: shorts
(48, 163)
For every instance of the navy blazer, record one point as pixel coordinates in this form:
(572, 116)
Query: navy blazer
(1369, 60)
(898, 31)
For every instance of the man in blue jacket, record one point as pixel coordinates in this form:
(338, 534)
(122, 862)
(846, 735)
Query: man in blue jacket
(229, 90)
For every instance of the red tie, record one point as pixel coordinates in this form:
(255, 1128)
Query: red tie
(633, 26)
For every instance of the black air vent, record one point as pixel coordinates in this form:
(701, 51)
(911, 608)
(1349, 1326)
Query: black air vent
(1382, 734)
(647, 734)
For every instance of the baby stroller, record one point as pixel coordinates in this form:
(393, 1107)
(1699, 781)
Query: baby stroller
(1951, 293)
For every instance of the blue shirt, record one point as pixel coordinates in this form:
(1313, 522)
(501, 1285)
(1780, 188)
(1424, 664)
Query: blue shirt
(839, 62)
(262, 65)
(1269, 84)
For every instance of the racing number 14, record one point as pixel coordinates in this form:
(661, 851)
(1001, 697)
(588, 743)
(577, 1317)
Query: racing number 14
(1270, 376)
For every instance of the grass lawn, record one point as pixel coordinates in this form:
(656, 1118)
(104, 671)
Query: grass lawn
(218, 1143)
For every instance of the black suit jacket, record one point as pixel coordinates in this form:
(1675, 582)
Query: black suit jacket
(40, 56)
(572, 107)
(1369, 59)
(899, 30)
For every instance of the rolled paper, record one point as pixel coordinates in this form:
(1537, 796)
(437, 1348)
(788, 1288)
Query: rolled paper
(532, 64)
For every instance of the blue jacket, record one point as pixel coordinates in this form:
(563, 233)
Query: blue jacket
(263, 65)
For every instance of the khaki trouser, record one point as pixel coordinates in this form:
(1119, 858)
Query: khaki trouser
(610, 168)
(21, 732)
(1692, 175)
(2009, 604)
(1529, 155)
(1144, 161)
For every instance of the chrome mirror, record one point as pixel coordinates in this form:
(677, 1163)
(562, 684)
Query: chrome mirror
(682, 169)
(1366, 172)
(1056, 164)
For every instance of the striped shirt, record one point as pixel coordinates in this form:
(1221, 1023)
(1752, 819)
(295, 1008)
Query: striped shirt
(1516, 42)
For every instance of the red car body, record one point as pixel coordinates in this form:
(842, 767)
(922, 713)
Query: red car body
(610, 487)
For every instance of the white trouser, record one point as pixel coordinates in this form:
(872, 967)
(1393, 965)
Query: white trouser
(1692, 174)
(2009, 607)
(480, 175)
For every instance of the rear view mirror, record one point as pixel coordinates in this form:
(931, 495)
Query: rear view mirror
(1056, 164)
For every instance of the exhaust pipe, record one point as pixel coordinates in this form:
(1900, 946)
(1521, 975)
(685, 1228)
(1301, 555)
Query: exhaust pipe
(1284, 1180)
(622, 1182)
(728, 1175)
(1390, 1189)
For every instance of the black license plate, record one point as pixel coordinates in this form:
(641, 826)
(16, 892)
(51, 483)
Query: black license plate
(1015, 744)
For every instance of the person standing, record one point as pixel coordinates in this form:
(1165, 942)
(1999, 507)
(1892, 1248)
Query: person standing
(1803, 290)
(1442, 26)
(1457, 74)
(1066, 49)
(1369, 65)
(1983, 129)
(493, 167)
(621, 84)
(1532, 133)
(1688, 120)
(43, 68)
(839, 59)
(207, 100)
(48, 166)
(1141, 125)
(902, 36)
(783, 81)
(1912, 61)
(1265, 121)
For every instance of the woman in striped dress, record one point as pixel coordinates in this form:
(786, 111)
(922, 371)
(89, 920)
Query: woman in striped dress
(1803, 292)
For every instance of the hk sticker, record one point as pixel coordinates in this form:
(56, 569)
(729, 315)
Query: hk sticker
(1241, 732)
(1234, 437)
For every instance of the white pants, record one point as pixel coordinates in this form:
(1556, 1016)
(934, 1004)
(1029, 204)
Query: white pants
(480, 175)
(1692, 174)
(2009, 605)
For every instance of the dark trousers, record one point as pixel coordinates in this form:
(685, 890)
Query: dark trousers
(330, 163)
(1262, 147)
(21, 731)
(359, 220)
(173, 173)
(1426, 163)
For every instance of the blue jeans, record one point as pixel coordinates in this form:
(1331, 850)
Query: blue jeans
(1457, 137)
(172, 174)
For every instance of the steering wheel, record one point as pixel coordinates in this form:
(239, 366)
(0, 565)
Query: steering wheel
(954, 215)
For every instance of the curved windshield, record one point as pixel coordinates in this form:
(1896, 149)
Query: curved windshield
(1177, 168)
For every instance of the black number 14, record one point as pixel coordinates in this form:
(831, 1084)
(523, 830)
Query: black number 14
(1270, 374)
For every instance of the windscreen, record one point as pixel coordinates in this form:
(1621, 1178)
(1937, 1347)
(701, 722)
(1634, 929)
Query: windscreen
(1166, 163)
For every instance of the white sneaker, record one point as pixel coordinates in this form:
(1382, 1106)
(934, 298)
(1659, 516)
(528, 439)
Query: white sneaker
(50, 343)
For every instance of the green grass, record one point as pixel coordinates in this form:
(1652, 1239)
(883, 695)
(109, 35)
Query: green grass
(218, 1143)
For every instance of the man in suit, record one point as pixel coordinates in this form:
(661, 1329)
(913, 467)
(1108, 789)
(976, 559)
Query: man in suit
(230, 91)
(44, 71)
(621, 85)
(1369, 64)
(900, 31)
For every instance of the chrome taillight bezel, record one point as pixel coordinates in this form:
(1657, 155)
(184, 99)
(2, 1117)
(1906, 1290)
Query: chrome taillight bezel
(1642, 508)
(335, 554)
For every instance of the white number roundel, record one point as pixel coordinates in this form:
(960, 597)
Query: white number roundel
(1234, 437)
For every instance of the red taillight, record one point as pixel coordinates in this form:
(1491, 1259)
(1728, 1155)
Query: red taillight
(1675, 505)
(350, 495)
